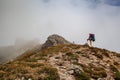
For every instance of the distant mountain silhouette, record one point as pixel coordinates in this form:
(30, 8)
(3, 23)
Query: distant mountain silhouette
(11, 52)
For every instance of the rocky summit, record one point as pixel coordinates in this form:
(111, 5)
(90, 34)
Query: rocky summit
(53, 40)
(63, 62)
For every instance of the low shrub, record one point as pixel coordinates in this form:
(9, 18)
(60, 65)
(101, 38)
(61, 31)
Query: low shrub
(79, 75)
(98, 56)
(79, 52)
(72, 56)
(2, 73)
(35, 65)
(118, 55)
(65, 49)
(31, 60)
(105, 53)
(116, 72)
(52, 73)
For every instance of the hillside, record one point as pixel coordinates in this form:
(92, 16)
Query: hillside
(8, 53)
(64, 61)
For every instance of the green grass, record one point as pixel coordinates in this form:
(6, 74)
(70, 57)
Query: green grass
(30, 60)
(32, 65)
(79, 75)
(52, 73)
(105, 53)
(118, 55)
(116, 72)
(53, 49)
(72, 56)
(93, 71)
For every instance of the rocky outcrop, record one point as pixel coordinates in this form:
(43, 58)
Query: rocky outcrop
(53, 40)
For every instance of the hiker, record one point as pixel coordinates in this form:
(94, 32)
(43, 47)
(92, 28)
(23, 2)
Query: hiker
(91, 39)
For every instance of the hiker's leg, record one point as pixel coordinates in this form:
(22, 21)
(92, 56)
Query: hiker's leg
(90, 43)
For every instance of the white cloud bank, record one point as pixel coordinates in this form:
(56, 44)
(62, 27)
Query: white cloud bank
(73, 19)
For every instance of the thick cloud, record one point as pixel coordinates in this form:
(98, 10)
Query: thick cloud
(73, 19)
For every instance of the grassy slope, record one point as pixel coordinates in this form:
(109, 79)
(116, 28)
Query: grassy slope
(34, 64)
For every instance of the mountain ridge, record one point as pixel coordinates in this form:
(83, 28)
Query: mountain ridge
(64, 62)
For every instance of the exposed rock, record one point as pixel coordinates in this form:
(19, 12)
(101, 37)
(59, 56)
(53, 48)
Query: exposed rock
(71, 72)
(53, 40)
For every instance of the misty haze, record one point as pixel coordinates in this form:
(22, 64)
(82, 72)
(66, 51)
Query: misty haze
(27, 23)
(59, 40)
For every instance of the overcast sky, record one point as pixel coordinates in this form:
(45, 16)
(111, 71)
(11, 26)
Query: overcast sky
(72, 19)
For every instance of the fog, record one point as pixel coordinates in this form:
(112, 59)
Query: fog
(72, 19)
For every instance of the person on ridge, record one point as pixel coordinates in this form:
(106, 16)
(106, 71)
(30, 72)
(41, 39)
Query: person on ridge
(91, 39)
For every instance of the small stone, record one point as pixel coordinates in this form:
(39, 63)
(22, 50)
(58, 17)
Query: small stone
(40, 61)
(71, 72)
(23, 78)
(29, 79)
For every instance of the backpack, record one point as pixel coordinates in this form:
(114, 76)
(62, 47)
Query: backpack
(92, 36)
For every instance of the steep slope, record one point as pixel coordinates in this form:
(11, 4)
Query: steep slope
(64, 62)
